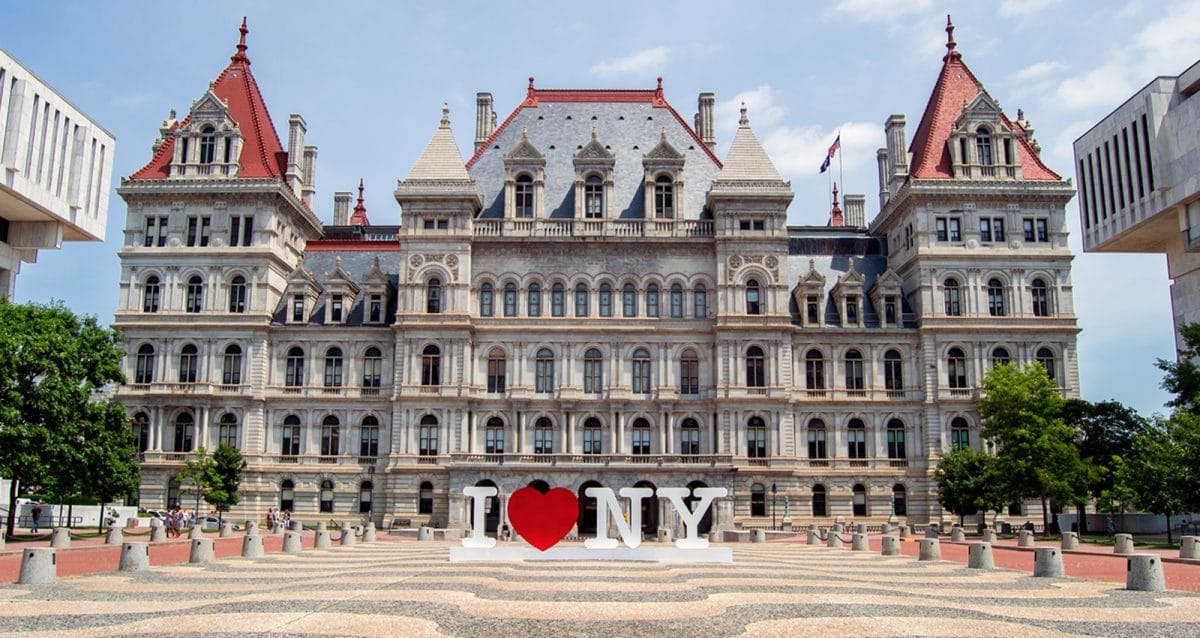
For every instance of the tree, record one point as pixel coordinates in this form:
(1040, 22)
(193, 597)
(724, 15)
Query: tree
(968, 483)
(1182, 376)
(111, 464)
(198, 475)
(228, 465)
(1036, 454)
(52, 366)
(1152, 474)
(1105, 430)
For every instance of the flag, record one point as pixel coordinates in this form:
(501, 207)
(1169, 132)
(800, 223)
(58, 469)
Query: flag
(833, 149)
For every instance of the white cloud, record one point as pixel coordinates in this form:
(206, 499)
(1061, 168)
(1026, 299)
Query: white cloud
(762, 108)
(1062, 151)
(644, 62)
(1021, 8)
(799, 150)
(880, 10)
(1038, 71)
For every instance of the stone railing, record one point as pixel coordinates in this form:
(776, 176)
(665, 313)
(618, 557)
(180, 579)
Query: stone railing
(620, 228)
(711, 460)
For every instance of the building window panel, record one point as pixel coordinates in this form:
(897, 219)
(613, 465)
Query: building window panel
(700, 301)
(294, 374)
(756, 438)
(856, 439)
(497, 371)
(544, 371)
(486, 300)
(689, 374)
(816, 439)
(641, 371)
(431, 366)
(557, 300)
(593, 371)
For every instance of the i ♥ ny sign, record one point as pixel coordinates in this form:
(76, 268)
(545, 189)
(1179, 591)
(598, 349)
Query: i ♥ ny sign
(544, 519)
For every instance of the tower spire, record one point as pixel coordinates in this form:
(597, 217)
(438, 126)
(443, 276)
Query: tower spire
(359, 216)
(835, 216)
(240, 56)
(951, 45)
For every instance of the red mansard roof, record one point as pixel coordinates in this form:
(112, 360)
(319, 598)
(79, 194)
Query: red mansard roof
(262, 155)
(955, 87)
(534, 96)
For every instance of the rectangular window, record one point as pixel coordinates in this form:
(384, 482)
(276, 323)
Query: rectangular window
(985, 229)
(689, 376)
(641, 440)
(494, 442)
(816, 444)
(1027, 227)
(955, 230)
(890, 316)
(247, 230)
(1041, 231)
(291, 440)
(591, 441)
(942, 233)
(852, 310)
(496, 376)
(298, 308)
(235, 230)
(205, 230)
(510, 301)
(557, 301)
(700, 302)
(581, 301)
(193, 230)
(368, 443)
(606, 308)
(335, 308)
(593, 376)
(375, 309)
(149, 238)
(812, 310)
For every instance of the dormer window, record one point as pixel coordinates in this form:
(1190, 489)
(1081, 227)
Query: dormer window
(593, 197)
(208, 145)
(523, 196)
(983, 146)
(298, 308)
(664, 198)
(593, 179)
(336, 308)
(524, 179)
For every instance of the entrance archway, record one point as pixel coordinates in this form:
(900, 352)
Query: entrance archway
(587, 509)
(705, 525)
(649, 512)
(491, 510)
(539, 485)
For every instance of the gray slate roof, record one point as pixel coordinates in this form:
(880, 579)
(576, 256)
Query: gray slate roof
(356, 264)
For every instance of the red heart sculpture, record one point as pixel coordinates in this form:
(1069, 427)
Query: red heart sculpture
(543, 519)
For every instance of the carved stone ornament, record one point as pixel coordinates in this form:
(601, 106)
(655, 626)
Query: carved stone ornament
(416, 260)
(735, 262)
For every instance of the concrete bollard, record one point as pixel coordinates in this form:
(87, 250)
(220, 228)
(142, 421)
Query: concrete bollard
(195, 533)
(812, 527)
(989, 535)
(832, 539)
(1024, 538)
(979, 556)
(758, 536)
(251, 526)
(814, 537)
(321, 526)
(368, 534)
(1123, 544)
(958, 535)
(715, 537)
(425, 534)
(60, 538)
(860, 528)
(114, 536)
(322, 540)
(1189, 547)
(349, 539)
(226, 530)
(931, 531)
(1144, 572)
(891, 546)
(158, 534)
(859, 543)
(1070, 540)
(664, 535)
(838, 528)
(202, 551)
(135, 557)
(39, 566)
(1047, 562)
(1, 541)
(886, 528)
(296, 526)
(291, 542)
(904, 531)
(252, 545)
(931, 549)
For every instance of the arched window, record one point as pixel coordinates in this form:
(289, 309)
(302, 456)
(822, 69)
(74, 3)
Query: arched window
(425, 498)
(899, 500)
(1045, 356)
(700, 301)
(543, 436)
(593, 197)
(664, 197)
(372, 368)
(818, 501)
(497, 371)
(956, 368)
(366, 491)
(294, 376)
(591, 436)
(194, 300)
(487, 297)
(816, 439)
(326, 496)
(290, 445)
(960, 434)
(494, 436)
(433, 296)
(208, 145)
(641, 371)
(893, 371)
(629, 300)
(854, 371)
(676, 301)
(151, 294)
(331, 434)
(814, 370)
(510, 299)
(641, 436)
(533, 300)
(753, 297)
(581, 300)
(953, 297)
(558, 300)
(427, 436)
(333, 367)
(185, 430)
(593, 371)
(983, 146)
(141, 431)
(431, 366)
(1041, 298)
(652, 300)
(144, 367)
(1000, 357)
(523, 196)
(689, 373)
(856, 439)
(689, 437)
(755, 367)
(756, 438)
(543, 379)
(237, 294)
(189, 364)
(895, 440)
(368, 437)
(995, 298)
(758, 500)
(231, 368)
(287, 495)
(859, 500)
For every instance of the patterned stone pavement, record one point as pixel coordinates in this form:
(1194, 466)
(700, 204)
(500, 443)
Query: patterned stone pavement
(410, 589)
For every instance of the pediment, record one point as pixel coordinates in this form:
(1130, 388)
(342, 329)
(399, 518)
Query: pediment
(663, 151)
(525, 151)
(981, 109)
(812, 278)
(375, 276)
(210, 109)
(301, 278)
(594, 151)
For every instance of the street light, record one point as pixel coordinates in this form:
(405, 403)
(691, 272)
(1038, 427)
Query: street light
(774, 489)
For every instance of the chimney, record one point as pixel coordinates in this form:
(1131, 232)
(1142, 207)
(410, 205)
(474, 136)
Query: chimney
(341, 208)
(856, 211)
(485, 119)
(881, 156)
(704, 118)
(897, 152)
(310, 176)
(295, 150)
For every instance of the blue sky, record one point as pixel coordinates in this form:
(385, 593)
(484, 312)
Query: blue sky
(370, 79)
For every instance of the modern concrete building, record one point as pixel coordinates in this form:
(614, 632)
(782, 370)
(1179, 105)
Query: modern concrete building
(55, 171)
(1139, 183)
(590, 297)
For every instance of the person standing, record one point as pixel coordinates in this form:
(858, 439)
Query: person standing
(1110, 526)
(36, 513)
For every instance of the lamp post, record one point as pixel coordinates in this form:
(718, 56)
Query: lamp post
(774, 489)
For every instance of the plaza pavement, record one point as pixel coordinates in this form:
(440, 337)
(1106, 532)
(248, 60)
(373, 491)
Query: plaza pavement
(409, 588)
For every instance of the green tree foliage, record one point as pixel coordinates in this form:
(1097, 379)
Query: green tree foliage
(1182, 376)
(1105, 431)
(228, 465)
(198, 475)
(1036, 455)
(1153, 475)
(968, 483)
(54, 430)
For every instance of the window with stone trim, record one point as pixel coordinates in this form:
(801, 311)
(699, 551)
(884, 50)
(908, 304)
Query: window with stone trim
(952, 296)
(956, 368)
(960, 436)
(533, 299)
(334, 366)
(145, 364)
(689, 437)
(294, 370)
(331, 434)
(816, 439)
(689, 373)
(237, 294)
(189, 363)
(431, 366)
(372, 368)
(593, 371)
(1040, 295)
(231, 367)
(151, 294)
(895, 439)
(486, 299)
(427, 436)
(856, 439)
(995, 297)
(194, 299)
(756, 438)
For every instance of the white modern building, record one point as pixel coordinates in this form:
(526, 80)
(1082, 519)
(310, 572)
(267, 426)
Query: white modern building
(55, 171)
(1139, 183)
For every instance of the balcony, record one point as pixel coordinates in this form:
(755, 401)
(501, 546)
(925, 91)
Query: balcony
(349, 392)
(658, 460)
(617, 228)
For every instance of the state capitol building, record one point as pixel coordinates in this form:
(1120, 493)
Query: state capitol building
(590, 297)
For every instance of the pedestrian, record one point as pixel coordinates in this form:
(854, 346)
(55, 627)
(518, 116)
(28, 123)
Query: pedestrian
(1110, 526)
(36, 513)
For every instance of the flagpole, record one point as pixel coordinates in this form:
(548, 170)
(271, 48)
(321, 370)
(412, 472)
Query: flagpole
(841, 178)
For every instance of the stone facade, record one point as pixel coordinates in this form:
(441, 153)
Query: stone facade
(592, 298)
